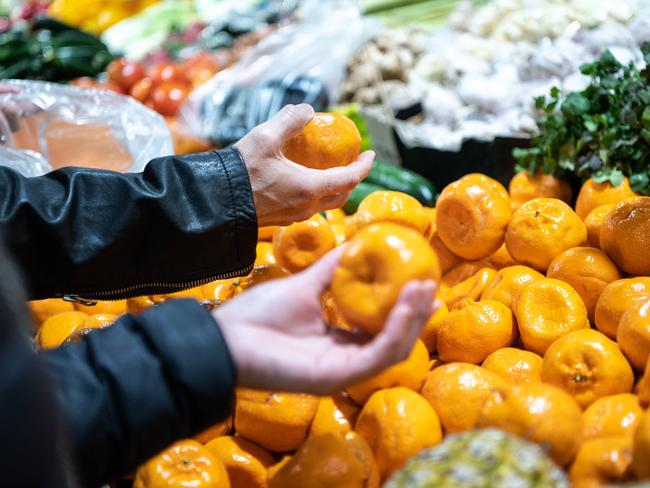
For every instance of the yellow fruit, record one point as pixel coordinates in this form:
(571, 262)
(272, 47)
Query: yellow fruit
(392, 206)
(429, 334)
(58, 328)
(245, 462)
(615, 415)
(601, 462)
(594, 195)
(641, 450)
(335, 415)
(524, 187)
(515, 365)
(302, 244)
(617, 298)
(507, 284)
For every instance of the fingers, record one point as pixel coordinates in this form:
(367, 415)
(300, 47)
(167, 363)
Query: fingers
(319, 274)
(342, 179)
(333, 201)
(286, 123)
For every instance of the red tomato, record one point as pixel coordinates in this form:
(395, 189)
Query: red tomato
(168, 97)
(141, 89)
(125, 73)
(163, 72)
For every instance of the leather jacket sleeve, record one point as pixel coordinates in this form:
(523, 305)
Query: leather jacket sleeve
(184, 221)
(128, 391)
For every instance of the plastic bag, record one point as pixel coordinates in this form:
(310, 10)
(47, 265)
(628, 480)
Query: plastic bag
(304, 62)
(67, 126)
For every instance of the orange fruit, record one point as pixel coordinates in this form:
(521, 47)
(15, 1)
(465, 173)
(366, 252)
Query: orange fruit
(330, 139)
(546, 310)
(246, 463)
(343, 460)
(335, 216)
(185, 463)
(397, 423)
(409, 373)
(470, 289)
(98, 321)
(542, 229)
(507, 284)
(217, 430)
(194, 293)
(447, 259)
(340, 233)
(614, 415)
(462, 271)
(264, 254)
(429, 334)
(113, 307)
(276, 421)
(260, 274)
(601, 462)
(515, 365)
(472, 216)
(641, 449)
(588, 270)
(476, 330)
(331, 314)
(335, 415)
(392, 206)
(266, 233)
(58, 328)
(594, 222)
(625, 236)
(524, 187)
(457, 392)
(643, 386)
(501, 258)
(139, 304)
(300, 245)
(594, 195)
(44, 309)
(275, 469)
(220, 290)
(633, 335)
(539, 413)
(617, 298)
(377, 262)
(587, 365)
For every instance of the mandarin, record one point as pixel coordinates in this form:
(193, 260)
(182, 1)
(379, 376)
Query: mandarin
(328, 140)
(113, 307)
(470, 289)
(594, 195)
(457, 392)
(476, 330)
(343, 460)
(392, 206)
(185, 463)
(463, 271)
(617, 298)
(44, 309)
(507, 284)
(588, 270)
(539, 413)
(55, 330)
(264, 254)
(246, 463)
(601, 462)
(633, 335)
(625, 236)
(594, 222)
(447, 259)
(276, 421)
(376, 264)
(614, 415)
(515, 365)
(524, 187)
(501, 258)
(541, 229)
(397, 423)
(266, 233)
(587, 365)
(472, 215)
(429, 334)
(643, 386)
(300, 245)
(546, 310)
(409, 373)
(336, 414)
(641, 449)
(217, 430)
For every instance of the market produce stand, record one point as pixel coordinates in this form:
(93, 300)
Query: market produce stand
(514, 139)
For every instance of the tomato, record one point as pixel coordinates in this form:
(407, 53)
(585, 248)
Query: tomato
(141, 89)
(168, 97)
(125, 73)
(167, 71)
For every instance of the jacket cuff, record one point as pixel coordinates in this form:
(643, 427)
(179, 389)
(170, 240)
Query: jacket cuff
(195, 355)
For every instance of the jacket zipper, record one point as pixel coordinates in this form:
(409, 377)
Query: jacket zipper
(140, 290)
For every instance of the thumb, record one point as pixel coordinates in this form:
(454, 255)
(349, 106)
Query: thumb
(288, 122)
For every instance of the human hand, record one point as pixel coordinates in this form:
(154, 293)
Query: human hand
(286, 192)
(279, 341)
(12, 111)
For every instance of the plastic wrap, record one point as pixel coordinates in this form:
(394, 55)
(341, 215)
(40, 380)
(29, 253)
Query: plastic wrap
(301, 62)
(67, 126)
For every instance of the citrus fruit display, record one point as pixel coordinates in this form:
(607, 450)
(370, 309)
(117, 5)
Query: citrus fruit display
(328, 140)
(533, 367)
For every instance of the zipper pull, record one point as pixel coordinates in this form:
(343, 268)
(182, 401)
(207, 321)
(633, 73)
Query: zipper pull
(88, 302)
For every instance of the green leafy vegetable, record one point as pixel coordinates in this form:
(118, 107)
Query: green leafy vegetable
(602, 132)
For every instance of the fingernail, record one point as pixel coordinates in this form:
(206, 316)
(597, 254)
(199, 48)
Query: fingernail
(306, 108)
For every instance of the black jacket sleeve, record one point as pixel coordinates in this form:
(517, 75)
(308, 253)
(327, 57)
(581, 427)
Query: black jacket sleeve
(184, 221)
(128, 391)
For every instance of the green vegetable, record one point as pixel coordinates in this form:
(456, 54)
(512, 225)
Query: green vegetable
(362, 190)
(404, 180)
(353, 112)
(602, 132)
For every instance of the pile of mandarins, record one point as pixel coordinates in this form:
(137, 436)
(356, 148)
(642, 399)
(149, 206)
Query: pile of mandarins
(544, 332)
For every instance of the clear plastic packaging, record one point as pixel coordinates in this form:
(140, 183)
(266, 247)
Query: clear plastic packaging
(303, 62)
(61, 125)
